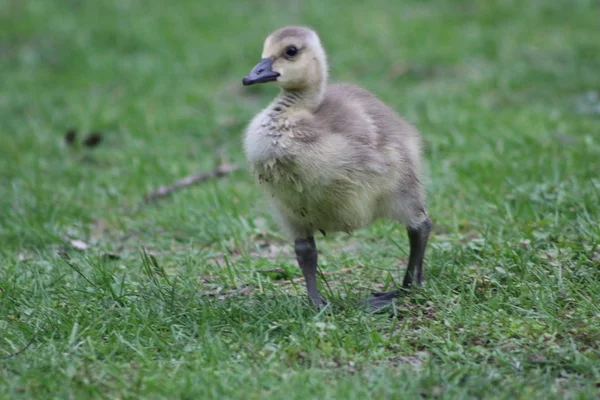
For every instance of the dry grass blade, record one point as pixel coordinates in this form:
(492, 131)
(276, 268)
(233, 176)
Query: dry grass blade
(79, 244)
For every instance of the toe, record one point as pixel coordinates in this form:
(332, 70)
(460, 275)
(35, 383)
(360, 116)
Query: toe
(319, 302)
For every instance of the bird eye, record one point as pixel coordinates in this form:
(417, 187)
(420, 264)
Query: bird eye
(291, 51)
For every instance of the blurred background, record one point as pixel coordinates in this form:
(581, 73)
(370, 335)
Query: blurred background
(161, 84)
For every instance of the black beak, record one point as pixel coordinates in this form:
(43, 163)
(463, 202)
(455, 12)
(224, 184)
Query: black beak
(262, 72)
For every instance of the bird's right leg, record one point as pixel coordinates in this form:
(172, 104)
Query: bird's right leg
(417, 236)
(306, 255)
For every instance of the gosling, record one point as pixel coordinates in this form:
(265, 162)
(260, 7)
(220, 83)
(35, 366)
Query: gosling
(333, 157)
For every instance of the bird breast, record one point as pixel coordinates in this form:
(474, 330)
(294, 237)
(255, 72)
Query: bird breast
(267, 137)
(274, 144)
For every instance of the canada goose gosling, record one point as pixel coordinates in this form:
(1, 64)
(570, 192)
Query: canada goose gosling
(332, 157)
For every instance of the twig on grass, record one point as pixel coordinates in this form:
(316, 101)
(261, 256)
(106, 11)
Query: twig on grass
(163, 191)
(246, 290)
(328, 273)
(239, 292)
(19, 352)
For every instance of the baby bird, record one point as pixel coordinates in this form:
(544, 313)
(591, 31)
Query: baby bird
(332, 157)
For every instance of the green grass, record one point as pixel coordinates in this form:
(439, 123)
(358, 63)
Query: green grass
(507, 96)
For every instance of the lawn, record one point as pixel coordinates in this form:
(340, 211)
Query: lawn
(196, 296)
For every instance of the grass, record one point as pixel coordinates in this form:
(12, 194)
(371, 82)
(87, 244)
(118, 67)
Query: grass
(507, 95)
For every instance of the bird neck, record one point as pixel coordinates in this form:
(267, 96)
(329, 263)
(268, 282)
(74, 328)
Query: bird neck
(307, 98)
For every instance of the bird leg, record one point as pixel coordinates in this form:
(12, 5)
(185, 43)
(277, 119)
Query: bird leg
(417, 238)
(306, 255)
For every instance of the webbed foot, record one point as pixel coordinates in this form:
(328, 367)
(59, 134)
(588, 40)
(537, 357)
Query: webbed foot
(379, 302)
(318, 301)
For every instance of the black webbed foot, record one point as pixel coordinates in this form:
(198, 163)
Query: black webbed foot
(380, 301)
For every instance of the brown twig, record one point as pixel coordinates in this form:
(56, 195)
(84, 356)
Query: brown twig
(328, 273)
(163, 191)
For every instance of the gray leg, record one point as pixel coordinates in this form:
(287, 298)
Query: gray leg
(417, 237)
(306, 254)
